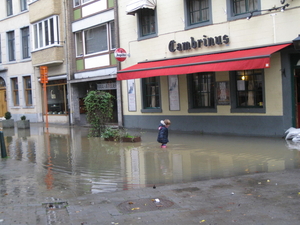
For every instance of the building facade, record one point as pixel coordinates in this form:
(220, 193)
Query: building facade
(94, 66)
(18, 86)
(219, 67)
(74, 41)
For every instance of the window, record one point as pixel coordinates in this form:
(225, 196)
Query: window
(80, 2)
(198, 12)
(23, 4)
(147, 24)
(15, 91)
(151, 94)
(238, 9)
(45, 33)
(247, 91)
(112, 35)
(11, 45)
(57, 97)
(25, 43)
(9, 9)
(244, 6)
(27, 91)
(201, 92)
(95, 40)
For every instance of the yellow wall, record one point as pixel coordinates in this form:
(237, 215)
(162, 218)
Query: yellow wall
(266, 29)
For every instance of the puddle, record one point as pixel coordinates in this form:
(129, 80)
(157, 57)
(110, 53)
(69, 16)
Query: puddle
(66, 161)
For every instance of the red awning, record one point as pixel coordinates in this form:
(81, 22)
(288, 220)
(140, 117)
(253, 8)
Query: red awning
(257, 58)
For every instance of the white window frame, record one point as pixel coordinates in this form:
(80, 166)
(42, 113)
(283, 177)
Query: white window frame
(77, 3)
(39, 36)
(82, 33)
(111, 35)
(23, 5)
(11, 46)
(25, 50)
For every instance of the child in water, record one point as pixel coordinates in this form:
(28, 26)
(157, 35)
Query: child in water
(163, 132)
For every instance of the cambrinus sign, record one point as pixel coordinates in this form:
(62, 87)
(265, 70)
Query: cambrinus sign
(193, 43)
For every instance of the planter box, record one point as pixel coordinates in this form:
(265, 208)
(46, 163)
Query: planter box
(111, 139)
(23, 124)
(135, 139)
(8, 123)
(123, 139)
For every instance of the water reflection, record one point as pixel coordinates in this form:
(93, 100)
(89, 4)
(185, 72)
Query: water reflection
(66, 159)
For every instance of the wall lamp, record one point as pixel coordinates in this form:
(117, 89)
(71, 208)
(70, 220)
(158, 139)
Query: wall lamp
(249, 17)
(283, 7)
(296, 43)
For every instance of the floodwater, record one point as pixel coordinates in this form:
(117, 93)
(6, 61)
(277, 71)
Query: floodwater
(64, 158)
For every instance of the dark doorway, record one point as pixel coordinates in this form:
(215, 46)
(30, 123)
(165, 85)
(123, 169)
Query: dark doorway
(297, 96)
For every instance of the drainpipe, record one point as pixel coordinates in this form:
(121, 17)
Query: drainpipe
(118, 83)
(66, 49)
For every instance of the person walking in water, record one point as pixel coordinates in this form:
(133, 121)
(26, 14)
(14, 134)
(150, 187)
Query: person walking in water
(163, 132)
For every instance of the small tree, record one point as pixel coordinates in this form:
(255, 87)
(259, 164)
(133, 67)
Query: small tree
(99, 107)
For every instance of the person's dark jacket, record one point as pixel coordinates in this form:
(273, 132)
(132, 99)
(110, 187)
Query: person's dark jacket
(162, 133)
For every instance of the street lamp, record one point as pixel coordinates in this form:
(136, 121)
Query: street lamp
(296, 43)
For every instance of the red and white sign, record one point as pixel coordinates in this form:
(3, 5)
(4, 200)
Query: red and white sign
(120, 54)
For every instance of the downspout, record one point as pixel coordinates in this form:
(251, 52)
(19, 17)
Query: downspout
(66, 49)
(118, 83)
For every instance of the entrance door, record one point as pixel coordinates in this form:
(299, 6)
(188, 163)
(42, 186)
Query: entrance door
(3, 104)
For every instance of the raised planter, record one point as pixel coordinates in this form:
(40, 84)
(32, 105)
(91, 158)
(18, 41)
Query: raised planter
(23, 124)
(129, 139)
(111, 139)
(8, 123)
(124, 139)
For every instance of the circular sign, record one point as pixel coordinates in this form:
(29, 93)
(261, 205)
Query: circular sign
(120, 54)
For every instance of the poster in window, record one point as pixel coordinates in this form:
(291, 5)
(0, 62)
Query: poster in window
(131, 95)
(223, 93)
(173, 92)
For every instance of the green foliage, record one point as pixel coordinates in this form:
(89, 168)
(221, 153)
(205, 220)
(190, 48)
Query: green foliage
(7, 115)
(23, 117)
(99, 106)
(109, 132)
(117, 134)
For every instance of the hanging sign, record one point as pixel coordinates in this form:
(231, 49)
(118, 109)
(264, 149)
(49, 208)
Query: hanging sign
(44, 74)
(120, 54)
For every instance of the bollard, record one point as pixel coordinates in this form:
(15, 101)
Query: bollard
(3, 148)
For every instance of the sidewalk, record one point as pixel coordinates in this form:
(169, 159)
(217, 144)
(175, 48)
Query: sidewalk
(262, 198)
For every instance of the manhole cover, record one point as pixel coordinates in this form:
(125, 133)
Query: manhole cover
(57, 213)
(145, 204)
(55, 205)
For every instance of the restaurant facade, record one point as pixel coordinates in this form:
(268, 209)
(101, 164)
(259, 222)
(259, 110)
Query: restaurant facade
(218, 67)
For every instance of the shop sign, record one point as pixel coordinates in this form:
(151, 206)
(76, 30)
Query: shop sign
(120, 54)
(194, 44)
(106, 86)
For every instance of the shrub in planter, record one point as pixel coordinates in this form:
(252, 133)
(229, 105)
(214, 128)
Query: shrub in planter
(8, 122)
(110, 134)
(7, 115)
(23, 123)
(125, 136)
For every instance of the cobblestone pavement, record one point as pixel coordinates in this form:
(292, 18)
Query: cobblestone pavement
(262, 198)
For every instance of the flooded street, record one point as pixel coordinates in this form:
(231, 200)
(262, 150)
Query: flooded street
(66, 161)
